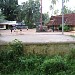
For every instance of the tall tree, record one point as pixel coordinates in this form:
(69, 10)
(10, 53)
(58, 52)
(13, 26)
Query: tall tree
(2, 17)
(67, 10)
(19, 13)
(31, 12)
(53, 3)
(56, 12)
(8, 8)
(45, 18)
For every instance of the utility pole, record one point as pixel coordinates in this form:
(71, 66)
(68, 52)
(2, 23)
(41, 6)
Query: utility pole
(62, 17)
(41, 14)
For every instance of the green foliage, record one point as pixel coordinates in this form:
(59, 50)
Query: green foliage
(9, 59)
(53, 3)
(45, 18)
(54, 65)
(71, 54)
(66, 28)
(1, 17)
(31, 12)
(8, 8)
(13, 61)
(17, 47)
(67, 10)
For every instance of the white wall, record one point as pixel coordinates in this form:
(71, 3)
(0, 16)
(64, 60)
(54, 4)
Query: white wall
(4, 27)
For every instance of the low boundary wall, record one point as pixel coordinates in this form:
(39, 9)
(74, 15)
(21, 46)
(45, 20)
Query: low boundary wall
(45, 48)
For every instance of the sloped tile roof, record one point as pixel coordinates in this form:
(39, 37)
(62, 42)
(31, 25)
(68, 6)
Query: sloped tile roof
(69, 19)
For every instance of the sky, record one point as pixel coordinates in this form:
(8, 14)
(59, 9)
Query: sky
(46, 5)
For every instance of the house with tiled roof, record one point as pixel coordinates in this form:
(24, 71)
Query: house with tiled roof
(56, 21)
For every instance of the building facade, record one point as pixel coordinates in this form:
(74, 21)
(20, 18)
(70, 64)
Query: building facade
(12, 24)
(56, 21)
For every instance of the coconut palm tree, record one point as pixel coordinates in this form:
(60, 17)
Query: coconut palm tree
(53, 3)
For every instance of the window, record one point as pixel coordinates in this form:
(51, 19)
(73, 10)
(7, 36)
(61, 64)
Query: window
(1, 26)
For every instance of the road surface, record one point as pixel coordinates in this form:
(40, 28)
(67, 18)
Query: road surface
(31, 36)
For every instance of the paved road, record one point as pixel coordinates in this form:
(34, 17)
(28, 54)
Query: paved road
(31, 36)
(38, 38)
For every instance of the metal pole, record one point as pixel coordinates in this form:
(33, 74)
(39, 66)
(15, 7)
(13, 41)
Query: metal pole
(41, 12)
(62, 17)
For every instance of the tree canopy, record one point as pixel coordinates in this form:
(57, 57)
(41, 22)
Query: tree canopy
(52, 5)
(2, 17)
(8, 8)
(31, 12)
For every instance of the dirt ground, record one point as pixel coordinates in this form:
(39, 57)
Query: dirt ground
(31, 31)
(17, 32)
(31, 36)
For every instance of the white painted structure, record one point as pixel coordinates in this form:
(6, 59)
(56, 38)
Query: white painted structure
(7, 23)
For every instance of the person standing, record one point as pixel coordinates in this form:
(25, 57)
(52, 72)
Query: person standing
(27, 27)
(11, 30)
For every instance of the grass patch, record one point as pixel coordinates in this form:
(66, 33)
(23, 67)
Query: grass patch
(15, 60)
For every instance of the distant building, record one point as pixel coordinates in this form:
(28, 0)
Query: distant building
(56, 21)
(7, 24)
(12, 24)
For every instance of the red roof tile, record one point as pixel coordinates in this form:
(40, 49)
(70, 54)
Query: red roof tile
(57, 20)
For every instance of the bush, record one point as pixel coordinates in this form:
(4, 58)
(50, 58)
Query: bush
(14, 62)
(17, 47)
(66, 28)
(71, 55)
(54, 65)
(7, 64)
(9, 58)
(27, 64)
